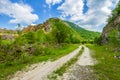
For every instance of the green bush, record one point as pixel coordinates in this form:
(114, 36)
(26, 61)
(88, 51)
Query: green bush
(64, 34)
(97, 40)
(25, 58)
(20, 40)
(10, 52)
(40, 36)
(0, 40)
(30, 37)
(39, 50)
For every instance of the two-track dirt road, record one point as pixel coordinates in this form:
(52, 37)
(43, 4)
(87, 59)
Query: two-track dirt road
(81, 70)
(42, 70)
(78, 71)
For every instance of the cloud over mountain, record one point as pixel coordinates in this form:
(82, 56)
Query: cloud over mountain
(97, 14)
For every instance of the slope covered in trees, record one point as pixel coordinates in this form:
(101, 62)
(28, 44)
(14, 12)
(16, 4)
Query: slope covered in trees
(86, 34)
(53, 30)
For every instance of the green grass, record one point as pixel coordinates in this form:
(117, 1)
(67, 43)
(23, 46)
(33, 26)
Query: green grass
(9, 68)
(6, 41)
(66, 65)
(108, 67)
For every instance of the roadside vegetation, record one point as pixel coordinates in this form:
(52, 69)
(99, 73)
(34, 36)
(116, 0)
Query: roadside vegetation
(106, 49)
(17, 61)
(108, 65)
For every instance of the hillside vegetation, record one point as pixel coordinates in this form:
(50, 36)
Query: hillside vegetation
(86, 34)
(53, 30)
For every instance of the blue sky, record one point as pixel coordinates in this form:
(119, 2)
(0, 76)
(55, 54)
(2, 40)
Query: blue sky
(89, 14)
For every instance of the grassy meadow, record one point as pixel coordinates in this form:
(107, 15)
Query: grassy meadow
(107, 67)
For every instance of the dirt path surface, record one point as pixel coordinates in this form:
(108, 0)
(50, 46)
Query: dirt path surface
(86, 59)
(82, 69)
(41, 71)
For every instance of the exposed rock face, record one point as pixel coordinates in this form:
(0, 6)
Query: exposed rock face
(8, 36)
(111, 31)
(45, 26)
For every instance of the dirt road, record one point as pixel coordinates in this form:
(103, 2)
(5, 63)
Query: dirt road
(42, 70)
(85, 59)
(81, 70)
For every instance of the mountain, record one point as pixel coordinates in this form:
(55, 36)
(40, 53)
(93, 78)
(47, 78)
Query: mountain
(58, 31)
(7, 31)
(86, 34)
(111, 32)
(53, 30)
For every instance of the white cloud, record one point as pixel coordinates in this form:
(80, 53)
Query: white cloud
(97, 14)
(20, 13)
(53, 2)
(72, 8)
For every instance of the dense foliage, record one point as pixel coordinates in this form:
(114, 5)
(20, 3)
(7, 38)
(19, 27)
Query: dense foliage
(87, 35)
(63, 33)
(115, 13)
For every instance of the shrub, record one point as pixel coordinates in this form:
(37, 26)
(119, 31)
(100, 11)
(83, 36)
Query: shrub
(98, 40)
(30, 37)
(40, 36)
(38, 50)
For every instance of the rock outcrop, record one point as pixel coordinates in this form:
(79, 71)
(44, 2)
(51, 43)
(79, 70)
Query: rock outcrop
(111, 32)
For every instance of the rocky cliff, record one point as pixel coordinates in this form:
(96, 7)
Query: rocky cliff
(111, 33)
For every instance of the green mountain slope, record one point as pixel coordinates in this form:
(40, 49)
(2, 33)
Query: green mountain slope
(86, 34)
(53, 30)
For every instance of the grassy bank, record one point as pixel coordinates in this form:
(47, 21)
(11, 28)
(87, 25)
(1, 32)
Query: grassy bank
(65, 66)
(108, 67)
(49, 53)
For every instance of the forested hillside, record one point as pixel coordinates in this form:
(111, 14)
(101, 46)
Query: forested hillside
(86, 34)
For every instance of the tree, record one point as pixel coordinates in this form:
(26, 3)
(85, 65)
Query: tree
(0, 40)
(19, 27)
(30, 37)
